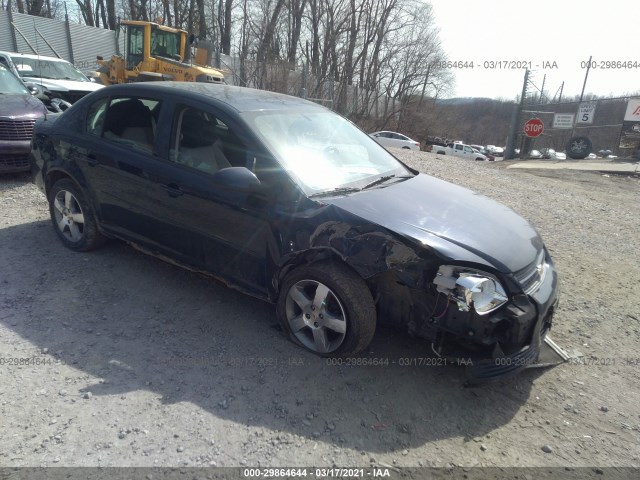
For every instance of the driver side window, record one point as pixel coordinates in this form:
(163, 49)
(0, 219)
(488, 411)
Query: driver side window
(198, 140)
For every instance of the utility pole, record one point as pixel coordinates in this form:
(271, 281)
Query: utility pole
(586, 75)
(561, 90)
(515, 119)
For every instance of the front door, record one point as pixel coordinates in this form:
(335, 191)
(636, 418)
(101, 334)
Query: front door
(206, 223)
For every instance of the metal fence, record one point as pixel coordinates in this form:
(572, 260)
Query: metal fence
(77, 44)
(603, 130)
(605, 122)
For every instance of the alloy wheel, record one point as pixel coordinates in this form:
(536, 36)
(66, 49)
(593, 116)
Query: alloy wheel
(316, 316)
(69, 216)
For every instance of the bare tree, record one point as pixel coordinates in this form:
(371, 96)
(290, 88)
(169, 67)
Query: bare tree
(296, 12)
(224, 22)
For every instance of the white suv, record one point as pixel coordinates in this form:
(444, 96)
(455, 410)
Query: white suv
(57, 76)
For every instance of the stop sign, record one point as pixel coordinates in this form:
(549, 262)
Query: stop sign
(533, 127)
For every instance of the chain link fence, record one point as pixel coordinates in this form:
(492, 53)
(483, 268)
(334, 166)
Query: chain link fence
(601, 122)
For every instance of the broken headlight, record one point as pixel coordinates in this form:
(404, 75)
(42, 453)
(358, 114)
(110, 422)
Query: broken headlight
(470, 289)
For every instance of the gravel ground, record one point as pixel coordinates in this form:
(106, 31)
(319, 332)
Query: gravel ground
(134, 362)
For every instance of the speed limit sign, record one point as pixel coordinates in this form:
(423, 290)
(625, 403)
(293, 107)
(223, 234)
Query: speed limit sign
(585, 112)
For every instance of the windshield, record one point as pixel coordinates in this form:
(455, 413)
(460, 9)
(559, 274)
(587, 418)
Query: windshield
(51, 69)
(164, 44)
(323, 151)
(10, 84)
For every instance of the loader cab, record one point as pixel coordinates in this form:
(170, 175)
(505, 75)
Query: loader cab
(165, 43)
(147, 40)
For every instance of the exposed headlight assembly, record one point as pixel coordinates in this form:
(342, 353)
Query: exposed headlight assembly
(470, 289)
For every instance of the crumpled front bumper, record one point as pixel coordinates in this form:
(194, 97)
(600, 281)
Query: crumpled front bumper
(545, 301)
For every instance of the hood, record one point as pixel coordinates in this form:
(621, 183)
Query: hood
(64, 85)
(449, 218)
(21, 106)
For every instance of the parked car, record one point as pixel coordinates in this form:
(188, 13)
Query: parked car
(395, 140)
(494, 150)
(430, 145)
(54, 75)
(289, 202)
(484, 152)
(19, 110)
(460, 150)
(535, 154)
(486, 155)
(498, 151)
(551, 154)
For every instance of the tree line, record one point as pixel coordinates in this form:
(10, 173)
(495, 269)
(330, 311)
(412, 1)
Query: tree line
(378, 47)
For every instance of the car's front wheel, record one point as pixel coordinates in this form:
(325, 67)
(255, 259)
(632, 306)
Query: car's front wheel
(327, 309)
(72, 217)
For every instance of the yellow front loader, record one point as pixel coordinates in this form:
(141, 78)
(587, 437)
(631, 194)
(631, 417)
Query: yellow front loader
(155, 52)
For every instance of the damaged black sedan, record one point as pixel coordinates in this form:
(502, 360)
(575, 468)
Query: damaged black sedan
(291, 203)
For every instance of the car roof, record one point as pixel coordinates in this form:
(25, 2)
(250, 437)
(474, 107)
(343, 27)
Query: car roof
(239, 99)
(36, 57)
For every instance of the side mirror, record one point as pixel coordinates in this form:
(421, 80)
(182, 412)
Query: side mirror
(236, 178)
(33, 89)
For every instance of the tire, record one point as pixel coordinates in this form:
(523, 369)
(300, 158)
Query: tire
(406, 148)
(72, 218)
(342, 294)
(579, 147)
(440, 152)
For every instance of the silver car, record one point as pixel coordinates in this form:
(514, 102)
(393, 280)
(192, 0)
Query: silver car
(395, 140)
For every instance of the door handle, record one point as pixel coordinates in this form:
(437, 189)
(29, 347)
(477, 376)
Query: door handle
(92, 160)
(172, 189)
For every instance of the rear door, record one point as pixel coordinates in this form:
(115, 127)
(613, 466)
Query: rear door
(116, 155)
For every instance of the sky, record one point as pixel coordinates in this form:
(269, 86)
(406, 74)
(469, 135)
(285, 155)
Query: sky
(539, 33)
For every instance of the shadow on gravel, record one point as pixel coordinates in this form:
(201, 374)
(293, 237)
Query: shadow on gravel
(135, 323)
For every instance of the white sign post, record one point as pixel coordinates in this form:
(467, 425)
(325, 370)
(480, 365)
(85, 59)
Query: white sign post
(563, 120)
(585, 112)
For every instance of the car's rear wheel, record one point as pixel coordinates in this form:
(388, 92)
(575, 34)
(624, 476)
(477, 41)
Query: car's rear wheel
(327, 309)
(72, 218)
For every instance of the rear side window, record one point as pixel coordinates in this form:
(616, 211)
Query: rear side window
(132, 121)
(95, 117)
